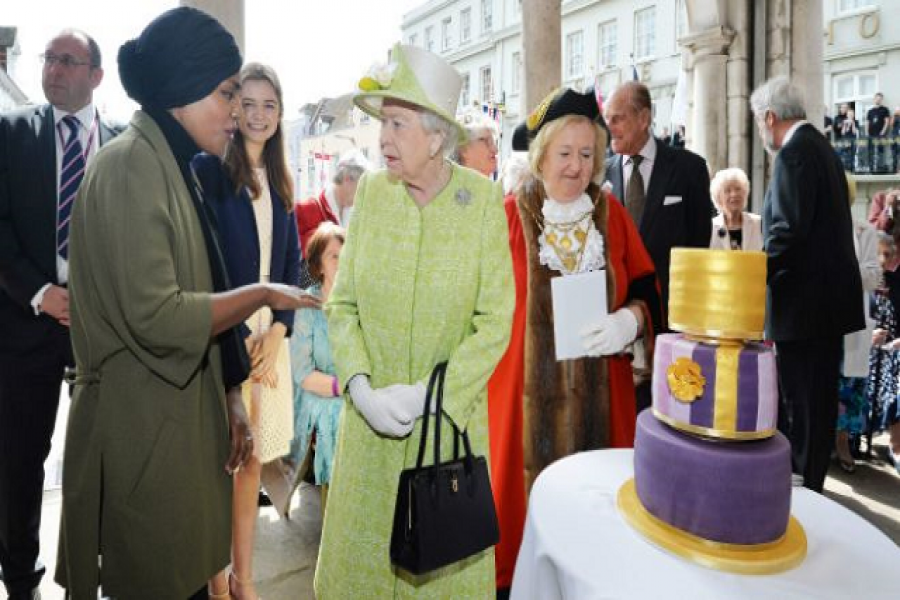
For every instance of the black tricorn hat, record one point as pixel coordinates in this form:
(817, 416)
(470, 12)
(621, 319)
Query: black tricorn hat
(560, 102)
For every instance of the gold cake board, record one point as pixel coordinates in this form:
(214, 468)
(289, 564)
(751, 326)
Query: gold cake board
(756, 559)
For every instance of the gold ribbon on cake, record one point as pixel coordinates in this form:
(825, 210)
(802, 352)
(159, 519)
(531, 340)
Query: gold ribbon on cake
(746, 559)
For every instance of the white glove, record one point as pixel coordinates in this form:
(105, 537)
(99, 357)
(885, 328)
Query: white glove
(407, 401)
(612, 334)
(382, 414)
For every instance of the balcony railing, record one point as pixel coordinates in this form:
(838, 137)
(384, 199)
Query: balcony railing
(869, 155)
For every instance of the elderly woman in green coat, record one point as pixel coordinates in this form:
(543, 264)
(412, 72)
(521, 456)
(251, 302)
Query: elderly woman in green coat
(425, 277)
(145, 485)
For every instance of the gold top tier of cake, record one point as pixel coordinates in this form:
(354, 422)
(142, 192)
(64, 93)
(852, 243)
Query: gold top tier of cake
(717, 293)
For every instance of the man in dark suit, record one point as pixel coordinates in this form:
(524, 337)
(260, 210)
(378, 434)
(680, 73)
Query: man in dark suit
(43, 151)
(674, 207)
(814, 294)
(667, 194)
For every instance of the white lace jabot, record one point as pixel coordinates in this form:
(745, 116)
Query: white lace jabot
(570, 243)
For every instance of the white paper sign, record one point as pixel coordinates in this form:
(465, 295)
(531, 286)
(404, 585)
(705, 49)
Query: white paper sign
(579, 301)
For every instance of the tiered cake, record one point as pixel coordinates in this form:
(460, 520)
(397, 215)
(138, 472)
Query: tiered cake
(712, 476)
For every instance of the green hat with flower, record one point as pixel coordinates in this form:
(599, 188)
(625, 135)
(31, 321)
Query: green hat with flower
(414, 76)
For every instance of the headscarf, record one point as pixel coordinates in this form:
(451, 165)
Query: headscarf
(179, 58)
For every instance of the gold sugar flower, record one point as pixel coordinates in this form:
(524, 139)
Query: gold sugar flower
(685, 380)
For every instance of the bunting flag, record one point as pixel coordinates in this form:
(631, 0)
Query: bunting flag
(598, 93)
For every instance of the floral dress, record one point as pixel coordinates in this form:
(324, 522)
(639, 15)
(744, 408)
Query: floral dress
(313, 414)
(884, 366)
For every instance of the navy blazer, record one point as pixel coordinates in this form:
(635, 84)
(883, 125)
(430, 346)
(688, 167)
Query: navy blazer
(678, 210)
(236, 224)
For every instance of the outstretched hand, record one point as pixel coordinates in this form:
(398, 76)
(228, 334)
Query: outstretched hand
(290, 297)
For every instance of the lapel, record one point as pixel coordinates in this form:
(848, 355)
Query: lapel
(615, 178)
(45, 184)
(279, 235)
(106, 132)
(659, 177)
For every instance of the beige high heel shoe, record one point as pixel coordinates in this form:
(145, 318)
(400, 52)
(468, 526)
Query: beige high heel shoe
(232, 576)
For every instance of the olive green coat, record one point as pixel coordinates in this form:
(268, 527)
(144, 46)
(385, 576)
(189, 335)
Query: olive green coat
(415, 287)
(144, 480)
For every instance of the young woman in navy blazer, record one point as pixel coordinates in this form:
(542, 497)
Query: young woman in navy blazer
(252, 198)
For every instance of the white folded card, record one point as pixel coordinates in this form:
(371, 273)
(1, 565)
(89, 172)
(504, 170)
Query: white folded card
(579, 302)
(668, 200)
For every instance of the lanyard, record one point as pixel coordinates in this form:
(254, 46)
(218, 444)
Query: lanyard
(91, 136)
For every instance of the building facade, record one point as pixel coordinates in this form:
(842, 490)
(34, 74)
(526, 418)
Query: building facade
(604, 42)
(325, 131)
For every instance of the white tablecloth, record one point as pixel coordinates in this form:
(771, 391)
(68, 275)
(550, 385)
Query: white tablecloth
(577, 545)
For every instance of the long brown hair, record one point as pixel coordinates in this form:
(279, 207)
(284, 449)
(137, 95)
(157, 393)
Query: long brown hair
(237, 163)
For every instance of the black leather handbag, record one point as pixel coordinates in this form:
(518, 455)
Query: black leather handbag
(445, 511)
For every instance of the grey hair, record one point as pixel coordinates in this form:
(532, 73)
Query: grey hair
(724, 176)
(347, 171)
(432, 123)
(780, 97)
(515, 171)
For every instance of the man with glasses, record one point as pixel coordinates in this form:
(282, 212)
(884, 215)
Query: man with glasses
(43, 154)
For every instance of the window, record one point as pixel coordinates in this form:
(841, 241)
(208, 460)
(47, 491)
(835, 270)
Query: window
(645, 33)
(429, 39)
(465, 25)
(680, 20)
(516, 83)
(413, 38)
(575, 55)
(446, 35)
(487, 15)
(853, 5)
(487, 92)
(607, 42)
(464, 92)
(857, 90)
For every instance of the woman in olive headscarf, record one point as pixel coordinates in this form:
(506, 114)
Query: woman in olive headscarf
(147, 455)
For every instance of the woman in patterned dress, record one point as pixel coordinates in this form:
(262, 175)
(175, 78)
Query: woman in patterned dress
(253, 200)
(425, 277)
(884, 362)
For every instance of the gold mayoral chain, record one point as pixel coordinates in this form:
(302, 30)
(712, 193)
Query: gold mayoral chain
(562, 237)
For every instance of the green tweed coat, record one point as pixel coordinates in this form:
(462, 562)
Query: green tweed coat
(416, 286)
(144, 482)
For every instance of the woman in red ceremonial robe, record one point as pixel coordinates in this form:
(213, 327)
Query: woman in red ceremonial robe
(571, 226)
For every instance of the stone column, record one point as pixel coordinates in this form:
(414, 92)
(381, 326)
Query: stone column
(542, 43)
(229, 13)
(708, 53)
(807, 64)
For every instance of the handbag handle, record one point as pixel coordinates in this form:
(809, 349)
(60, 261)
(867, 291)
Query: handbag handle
(436, 390)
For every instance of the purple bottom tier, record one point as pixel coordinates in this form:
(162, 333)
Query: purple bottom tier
(729, 492)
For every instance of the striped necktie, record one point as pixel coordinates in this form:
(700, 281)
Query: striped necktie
(69, 179)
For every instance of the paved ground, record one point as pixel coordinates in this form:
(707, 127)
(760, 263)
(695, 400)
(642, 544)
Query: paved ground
(286, 550)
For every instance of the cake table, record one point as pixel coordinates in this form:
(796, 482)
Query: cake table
(578, 546)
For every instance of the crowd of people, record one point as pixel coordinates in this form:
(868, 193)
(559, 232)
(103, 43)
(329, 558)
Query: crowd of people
(218, 338)
(870, 146)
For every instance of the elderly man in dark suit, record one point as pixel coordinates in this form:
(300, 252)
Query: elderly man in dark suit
(665, 189)
(813, 276)
(43, 152)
